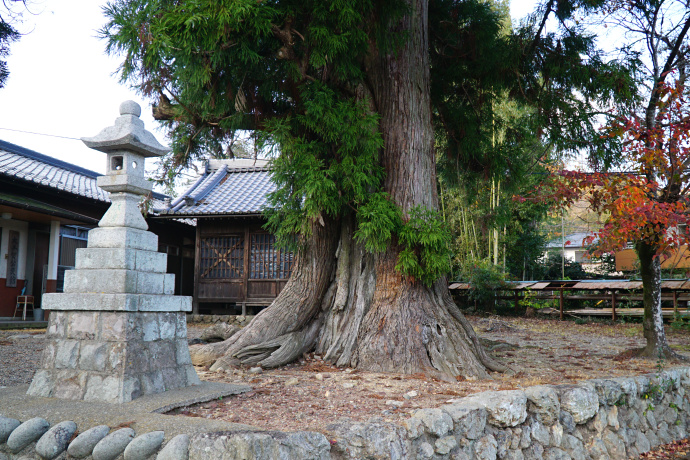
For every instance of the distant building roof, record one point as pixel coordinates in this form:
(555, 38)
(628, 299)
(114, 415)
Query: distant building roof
(21, 163)
(573, 241)
(226, 188)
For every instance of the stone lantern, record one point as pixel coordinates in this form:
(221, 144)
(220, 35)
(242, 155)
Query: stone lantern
(127, 144)
(117, 332)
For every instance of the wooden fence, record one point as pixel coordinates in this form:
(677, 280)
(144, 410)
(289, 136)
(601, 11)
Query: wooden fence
(608, 292)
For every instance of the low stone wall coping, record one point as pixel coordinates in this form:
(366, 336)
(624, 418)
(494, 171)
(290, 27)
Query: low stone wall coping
(614, 418)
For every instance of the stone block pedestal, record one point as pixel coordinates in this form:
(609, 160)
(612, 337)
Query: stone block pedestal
(114, 357)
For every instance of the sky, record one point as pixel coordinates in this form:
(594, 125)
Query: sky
(62, 83)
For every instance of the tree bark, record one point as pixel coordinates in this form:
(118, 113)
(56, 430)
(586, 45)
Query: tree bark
(354, 307)
(653, 322)
(650, 268)
(295, 313)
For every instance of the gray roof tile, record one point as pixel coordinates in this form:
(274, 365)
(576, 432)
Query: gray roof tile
(25, 164)
(225, 190)
(21, 163)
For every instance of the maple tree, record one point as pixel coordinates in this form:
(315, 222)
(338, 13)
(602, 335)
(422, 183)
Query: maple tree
(646, 205)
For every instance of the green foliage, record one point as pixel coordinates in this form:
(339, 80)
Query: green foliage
(532, 300)
(680, 322)
(656, 390)
(661, 385)
(288, 71)
(294, 73)
(472, 221)
(484, 279)
(378, 220)
(424, 239)
(622, 400)
(482, 132)
(338, 169)
(507, 103)
(504, 98)
(525, 242)
(570, 80)
(551, 268)
(232, 65)
(330, 166)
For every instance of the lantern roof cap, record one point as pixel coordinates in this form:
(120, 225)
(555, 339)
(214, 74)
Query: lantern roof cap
(128, 133)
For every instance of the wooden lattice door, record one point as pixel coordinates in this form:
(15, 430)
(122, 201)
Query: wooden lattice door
(222, 257)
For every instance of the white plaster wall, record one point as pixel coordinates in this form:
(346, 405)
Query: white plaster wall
(569, 253)
(23, 229)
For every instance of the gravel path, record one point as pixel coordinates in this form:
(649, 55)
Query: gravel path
(21, 349)
(309, 394)
(20, 355)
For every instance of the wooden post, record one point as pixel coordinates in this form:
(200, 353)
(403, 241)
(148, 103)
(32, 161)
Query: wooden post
(197, 267)
(613, 305)
(560, 304)
(245, 263)
(517, 299)
(675, 303)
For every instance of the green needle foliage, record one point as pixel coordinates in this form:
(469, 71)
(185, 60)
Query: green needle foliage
(425, 239)
(330, 168)
(291, 71)
(294, 73)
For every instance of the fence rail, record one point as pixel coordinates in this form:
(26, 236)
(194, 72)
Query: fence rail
(611, 291)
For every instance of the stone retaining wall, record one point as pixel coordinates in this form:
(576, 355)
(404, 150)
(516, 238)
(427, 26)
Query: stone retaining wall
(236, 320)
(598, 419)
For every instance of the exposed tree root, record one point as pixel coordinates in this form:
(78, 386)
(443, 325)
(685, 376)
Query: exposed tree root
(206, 355)
(654, 353)
(429, 335)
(281, 350)
(356, 310)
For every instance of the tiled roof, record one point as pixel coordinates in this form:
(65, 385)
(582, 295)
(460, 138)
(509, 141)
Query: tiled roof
(21, 163)
(227, 187)
(575, 239)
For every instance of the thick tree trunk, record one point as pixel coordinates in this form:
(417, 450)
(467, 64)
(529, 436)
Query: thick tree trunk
(653, 323)
(410, 327)
(290, 326)
(355, 308)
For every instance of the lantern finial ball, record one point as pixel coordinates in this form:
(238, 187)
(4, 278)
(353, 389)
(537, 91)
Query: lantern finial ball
(130, 108)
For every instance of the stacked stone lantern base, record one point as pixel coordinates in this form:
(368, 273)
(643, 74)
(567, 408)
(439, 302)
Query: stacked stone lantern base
(114, 356)
(117, 332)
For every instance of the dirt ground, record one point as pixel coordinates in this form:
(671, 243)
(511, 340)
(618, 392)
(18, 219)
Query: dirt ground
(311, 394)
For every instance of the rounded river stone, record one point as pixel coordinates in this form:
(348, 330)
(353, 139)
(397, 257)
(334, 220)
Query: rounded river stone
(83, 445)
(176, 449)
(26, 433)
(113, 445)
(55, 440)
(7, 426)
(142, 447)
